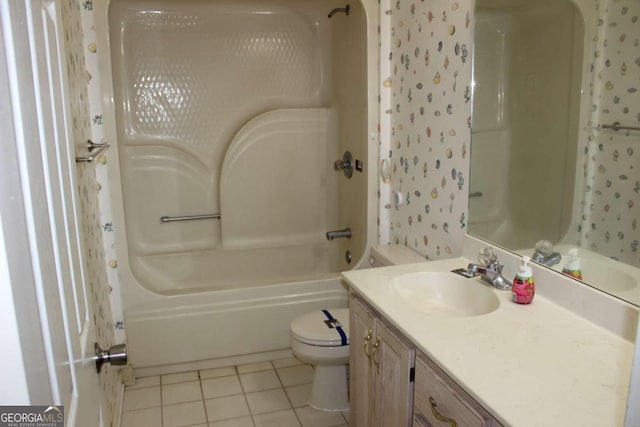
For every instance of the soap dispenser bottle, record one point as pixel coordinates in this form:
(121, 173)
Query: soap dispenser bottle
(523, 285)
(572, 267)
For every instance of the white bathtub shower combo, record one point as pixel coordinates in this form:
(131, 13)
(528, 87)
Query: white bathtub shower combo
(227, 118)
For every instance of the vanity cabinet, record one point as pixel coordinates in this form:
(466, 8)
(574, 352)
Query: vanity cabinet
(381, 364)
(438, 401)
(393, 385)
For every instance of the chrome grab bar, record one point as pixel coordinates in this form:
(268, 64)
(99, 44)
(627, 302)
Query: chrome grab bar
(95, 150)
(188, 217)
(616, 126)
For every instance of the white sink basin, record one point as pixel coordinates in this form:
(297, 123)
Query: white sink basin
(444, 294)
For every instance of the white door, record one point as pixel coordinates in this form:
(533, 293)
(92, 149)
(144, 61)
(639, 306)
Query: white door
(47, 236)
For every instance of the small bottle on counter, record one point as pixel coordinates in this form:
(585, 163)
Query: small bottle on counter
(572, 267)
(523, 285)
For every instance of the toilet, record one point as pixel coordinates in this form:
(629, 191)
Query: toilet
(321, 338)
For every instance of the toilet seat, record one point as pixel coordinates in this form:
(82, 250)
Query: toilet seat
(317, 328)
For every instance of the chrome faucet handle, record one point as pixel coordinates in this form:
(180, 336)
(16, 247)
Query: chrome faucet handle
(487, 256)
(497, 267)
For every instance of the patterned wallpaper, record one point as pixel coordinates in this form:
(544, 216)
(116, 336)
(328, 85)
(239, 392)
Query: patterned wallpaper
(430, 107)
(89, 189)
(102, 165)
(611, 225)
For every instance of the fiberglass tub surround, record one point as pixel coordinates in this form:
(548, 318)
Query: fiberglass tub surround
(238, 109)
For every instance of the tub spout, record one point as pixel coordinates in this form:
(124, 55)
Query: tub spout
(346, 232)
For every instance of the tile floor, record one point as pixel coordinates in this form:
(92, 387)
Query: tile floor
(261, 394)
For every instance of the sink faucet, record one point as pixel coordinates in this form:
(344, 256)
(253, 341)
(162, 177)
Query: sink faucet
(544, 254)
(492, 274)
(549, 260)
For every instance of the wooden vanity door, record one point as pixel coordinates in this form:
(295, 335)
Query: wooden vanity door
(392, 363)
(360, 379)
(381, 392)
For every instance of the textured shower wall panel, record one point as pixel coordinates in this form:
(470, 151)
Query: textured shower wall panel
(491, 133)
(274, 180)
(188, 75)
(162, 181)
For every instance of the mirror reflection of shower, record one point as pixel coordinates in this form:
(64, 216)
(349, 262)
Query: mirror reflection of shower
(526, 102)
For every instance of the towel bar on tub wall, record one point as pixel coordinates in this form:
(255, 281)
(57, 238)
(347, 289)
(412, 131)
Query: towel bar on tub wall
(166, 218)
(95, 150)
(616, 126)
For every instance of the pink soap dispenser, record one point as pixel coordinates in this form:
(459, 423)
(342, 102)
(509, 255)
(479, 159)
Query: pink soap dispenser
(523, 286)
(572, 267)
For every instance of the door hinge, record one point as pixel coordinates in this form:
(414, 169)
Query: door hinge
(412, 374)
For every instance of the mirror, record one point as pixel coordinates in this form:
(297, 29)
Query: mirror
(549, 76)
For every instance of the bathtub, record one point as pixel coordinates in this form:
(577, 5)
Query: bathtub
(235, 111)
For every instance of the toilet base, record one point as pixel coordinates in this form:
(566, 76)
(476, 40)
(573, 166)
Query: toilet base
(329, 391)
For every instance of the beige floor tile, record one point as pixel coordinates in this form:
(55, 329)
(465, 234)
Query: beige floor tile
(284, 363)
(141, 398)
(217, 372)
(235, 422)
(267, 401)
(150, 417)
(345, 414)
(299, 394)
(181, 392)
(223, 408)
(145, 382)
(179, 377)
(313, 418)
(254, 367)
(277, 419)
(258, 381)
(296, 375)
(183, 414)
(223, 386)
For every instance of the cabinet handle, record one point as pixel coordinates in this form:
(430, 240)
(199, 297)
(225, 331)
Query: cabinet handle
(439, 416)
(366, 345)
(373, 354)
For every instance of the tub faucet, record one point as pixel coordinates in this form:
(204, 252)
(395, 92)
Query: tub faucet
(492, 274)
(346, 232)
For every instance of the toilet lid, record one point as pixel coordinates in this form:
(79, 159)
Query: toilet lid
(324, 328)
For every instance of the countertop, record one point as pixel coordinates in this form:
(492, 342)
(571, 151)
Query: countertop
(528, 365)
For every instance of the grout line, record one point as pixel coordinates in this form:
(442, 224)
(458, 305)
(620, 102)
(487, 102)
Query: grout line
(206, 413)
(286, 394)
(161, 405)
(208, 417)
(244, 394)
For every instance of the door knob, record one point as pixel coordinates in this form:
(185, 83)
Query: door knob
(116, 355)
